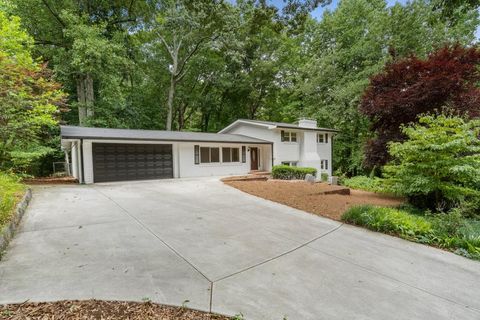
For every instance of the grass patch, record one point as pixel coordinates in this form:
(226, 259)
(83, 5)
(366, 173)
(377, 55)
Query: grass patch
(374, 184)
(11, 191)
(449, 231)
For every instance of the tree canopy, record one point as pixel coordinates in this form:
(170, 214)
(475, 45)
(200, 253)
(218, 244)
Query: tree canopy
(199, 65)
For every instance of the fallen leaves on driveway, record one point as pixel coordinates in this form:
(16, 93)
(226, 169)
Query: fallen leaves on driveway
(105, 310)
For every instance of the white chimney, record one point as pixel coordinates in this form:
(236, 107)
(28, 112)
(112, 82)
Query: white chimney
(308, 150)
(307, 123)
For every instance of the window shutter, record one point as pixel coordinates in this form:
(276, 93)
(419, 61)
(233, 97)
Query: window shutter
(326, 137)
(282, 133)
(197, 154)
(244, 154)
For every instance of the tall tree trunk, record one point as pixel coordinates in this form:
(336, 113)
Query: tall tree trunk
(171, 93)
(85, 97)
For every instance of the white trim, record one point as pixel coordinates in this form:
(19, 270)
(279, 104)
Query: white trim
(237, 122)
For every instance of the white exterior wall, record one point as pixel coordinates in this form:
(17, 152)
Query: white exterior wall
(306, 151)
(184, 161)
(324, 151)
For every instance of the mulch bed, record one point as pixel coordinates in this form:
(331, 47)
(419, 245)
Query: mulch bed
(51, 180)
(313, 197)
(105, 310)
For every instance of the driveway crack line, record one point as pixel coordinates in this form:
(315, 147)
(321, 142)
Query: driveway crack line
(280, 255)
(396, 280)
(139, 222)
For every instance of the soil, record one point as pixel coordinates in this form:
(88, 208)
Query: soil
(313, 197)
(51, 180)
(105, 310)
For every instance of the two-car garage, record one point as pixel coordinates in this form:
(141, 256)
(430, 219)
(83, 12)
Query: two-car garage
(106, 155)
(122, 162)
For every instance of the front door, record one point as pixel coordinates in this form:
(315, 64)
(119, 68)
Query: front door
(253, 158)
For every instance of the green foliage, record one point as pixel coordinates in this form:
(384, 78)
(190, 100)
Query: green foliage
(450, 231)
(373, 184)
(29, 98)
(11, 190)
(390, 220)
(439, 163)
(324, 176)
(291, 173)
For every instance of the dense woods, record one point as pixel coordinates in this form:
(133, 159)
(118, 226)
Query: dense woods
(199, 65)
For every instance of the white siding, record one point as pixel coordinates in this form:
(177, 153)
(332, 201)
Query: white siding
(306, 151)
(183, 159)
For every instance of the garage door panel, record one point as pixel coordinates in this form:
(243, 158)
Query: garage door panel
(117, 162)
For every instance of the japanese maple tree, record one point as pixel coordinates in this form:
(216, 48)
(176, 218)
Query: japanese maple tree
(409, 87)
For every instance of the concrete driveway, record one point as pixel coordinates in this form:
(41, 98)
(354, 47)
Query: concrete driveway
(212, 247)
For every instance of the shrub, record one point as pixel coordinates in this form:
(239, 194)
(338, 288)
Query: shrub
(289, 173)
(438, 166)
(389, 220)
(10, 192)
(449, 230)
(324, 177)
(374, 184)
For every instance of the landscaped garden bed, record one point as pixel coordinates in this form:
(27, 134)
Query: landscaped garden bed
(95, 309)
(313, 197)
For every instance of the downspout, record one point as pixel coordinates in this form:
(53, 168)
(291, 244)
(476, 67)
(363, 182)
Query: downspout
(82, 173)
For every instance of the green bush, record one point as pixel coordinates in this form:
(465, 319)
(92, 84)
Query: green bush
(450, 230)
(289, 173)
(324, 177)
(11, 189)
(438, 165)
(374, 184)
(389, 220)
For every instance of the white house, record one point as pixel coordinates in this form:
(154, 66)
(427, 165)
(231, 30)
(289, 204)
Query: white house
(100, 155)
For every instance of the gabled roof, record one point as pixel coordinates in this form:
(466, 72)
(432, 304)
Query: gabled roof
(73, 132)
(274, 125)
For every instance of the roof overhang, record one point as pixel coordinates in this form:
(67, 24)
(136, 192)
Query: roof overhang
(274, 126)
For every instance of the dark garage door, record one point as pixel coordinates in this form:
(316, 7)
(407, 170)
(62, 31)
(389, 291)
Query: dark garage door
(119, 162)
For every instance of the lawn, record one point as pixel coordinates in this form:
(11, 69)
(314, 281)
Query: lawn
(311, 197)
(11, 192)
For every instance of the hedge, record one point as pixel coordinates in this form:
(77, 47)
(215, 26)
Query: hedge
(290, 173)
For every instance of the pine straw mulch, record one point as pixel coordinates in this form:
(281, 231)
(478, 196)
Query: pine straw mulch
(104, 310)
(313, 197)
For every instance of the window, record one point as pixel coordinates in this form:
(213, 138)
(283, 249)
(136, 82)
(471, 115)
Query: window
(289, 163)
(230, 155)
(197, 154)
(209, 155)
(226, 155)
(324, 164)
(244, 154)
(235, 155)
(322, 137)
(288, 136)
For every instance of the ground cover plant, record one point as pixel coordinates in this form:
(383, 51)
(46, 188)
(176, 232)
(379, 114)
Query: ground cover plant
(449, 231)
(290, 173)
(11, 191)
(374, 184)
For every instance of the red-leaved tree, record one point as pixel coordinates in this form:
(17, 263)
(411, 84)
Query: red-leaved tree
(448, 77)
